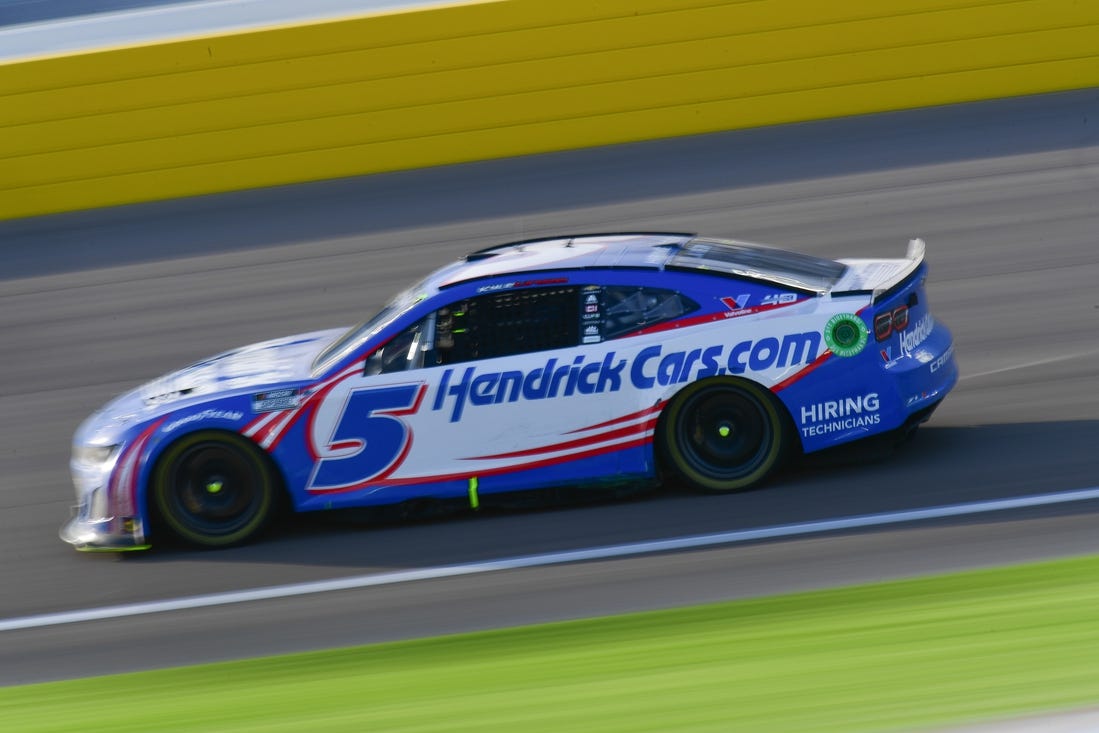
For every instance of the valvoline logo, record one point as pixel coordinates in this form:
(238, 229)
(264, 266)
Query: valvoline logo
(646, 369)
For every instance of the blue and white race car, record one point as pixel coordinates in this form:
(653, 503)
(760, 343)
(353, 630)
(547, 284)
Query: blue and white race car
(572, 361)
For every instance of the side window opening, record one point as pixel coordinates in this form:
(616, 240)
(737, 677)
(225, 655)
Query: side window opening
(525, 321)
(630, 308)
(409, 349)
(507, 323)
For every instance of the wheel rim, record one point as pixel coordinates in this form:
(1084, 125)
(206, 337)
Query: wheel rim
(724, 433)
(214, 490)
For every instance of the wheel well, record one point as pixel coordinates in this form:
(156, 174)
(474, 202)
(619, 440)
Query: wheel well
(156, 522)
(792, 437)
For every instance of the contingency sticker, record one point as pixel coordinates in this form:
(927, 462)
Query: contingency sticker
(276, 399)
(845, 334)
(591, 315)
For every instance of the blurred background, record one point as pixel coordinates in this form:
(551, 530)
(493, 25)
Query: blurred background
(177, 179)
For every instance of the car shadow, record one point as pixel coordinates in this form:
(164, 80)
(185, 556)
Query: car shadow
(939, 466)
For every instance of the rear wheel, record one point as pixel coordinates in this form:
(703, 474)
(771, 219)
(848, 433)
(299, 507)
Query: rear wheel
(214, 489)
(723, 435)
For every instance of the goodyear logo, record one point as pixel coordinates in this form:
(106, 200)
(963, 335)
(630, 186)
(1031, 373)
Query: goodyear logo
(649, 368)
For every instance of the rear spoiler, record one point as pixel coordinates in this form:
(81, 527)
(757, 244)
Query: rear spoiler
(913, 259)
(879, 278)
(916, 250)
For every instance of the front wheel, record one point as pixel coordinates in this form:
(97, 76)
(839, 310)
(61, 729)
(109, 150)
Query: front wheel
(214, 489)
(723, 435)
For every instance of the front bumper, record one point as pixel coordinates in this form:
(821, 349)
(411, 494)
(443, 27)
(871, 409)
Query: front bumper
(104, 535)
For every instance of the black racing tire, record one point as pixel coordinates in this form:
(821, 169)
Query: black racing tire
(214, 489)
(723, 435)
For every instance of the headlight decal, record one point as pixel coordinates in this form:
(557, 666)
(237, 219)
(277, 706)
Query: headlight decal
(94, 455)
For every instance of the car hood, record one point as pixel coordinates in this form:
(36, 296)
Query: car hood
(266, 363)
(248, 368)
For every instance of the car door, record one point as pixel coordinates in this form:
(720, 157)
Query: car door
(462, 393)
(510, 389)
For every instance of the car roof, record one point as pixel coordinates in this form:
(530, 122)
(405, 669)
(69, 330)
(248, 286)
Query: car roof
(644, 250)
(579, 252)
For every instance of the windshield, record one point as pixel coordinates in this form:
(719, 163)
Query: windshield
(356, 335)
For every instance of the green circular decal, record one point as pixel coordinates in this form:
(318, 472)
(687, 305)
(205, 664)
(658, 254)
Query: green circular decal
(845, 334)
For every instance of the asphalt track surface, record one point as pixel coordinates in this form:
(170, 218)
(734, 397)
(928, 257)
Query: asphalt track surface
(15, 12)
(1006, 195)
(30, 28)
(19, 12)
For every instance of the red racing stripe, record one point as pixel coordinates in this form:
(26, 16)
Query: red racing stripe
(580, 442)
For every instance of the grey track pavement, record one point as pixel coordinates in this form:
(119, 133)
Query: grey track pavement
(30, 28)
(1005, 193)
(18, 12)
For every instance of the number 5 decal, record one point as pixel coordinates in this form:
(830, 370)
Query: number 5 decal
(369, 441)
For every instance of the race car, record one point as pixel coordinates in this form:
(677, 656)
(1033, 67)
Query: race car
(569, 361)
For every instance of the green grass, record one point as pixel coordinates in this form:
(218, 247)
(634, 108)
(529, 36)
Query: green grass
(879, 657)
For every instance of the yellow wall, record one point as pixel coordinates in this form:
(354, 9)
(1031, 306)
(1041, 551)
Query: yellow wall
(492, 79)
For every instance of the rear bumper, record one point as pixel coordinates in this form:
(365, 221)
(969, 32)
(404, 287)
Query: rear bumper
(928, 380)
(880, 390)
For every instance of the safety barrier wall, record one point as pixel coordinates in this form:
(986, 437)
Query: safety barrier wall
(484, 80)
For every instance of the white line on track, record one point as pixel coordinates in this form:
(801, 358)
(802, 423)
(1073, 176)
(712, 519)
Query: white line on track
(550, 558)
